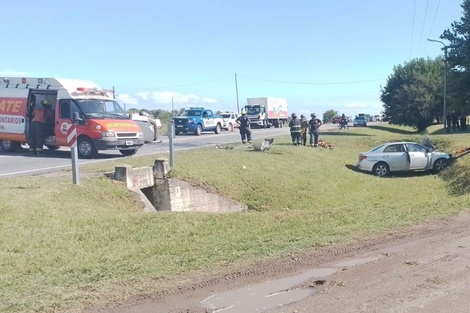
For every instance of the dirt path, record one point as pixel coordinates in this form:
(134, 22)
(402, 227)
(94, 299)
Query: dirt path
(421, 269)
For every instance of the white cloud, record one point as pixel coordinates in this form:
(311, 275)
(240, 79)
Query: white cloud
(8, 72)
(209, 100)
(167, 97)
(355, 105)
(127, 99)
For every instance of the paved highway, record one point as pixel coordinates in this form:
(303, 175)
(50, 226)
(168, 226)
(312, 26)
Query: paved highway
(21, 163)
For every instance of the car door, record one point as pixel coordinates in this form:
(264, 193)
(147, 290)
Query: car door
(396, 157)
(208, 119)
(63, 122)
(419, 156)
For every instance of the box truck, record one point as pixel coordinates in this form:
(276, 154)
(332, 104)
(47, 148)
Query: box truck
(267, 111)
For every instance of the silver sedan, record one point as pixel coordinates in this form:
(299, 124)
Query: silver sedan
(402, 156)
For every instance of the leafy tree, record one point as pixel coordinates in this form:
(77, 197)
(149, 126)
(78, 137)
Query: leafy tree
(133, 110)
(412, 95)
(164, 116)
(458, 59)
(328, 115)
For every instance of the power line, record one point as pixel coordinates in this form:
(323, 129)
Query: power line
(253, 78)
(422, 27)
(179, 85)
(313, 83)
(412, 28)
(434, 19)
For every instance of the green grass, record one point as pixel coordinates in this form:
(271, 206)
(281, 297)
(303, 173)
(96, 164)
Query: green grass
(64, 246)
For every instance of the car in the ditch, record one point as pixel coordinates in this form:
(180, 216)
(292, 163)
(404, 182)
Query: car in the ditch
(403, 156)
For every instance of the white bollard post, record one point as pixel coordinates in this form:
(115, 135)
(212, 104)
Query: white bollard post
(171, 136)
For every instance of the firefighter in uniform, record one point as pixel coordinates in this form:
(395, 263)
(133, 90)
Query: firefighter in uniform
(303, 129)
(39, 116)
(314, 129)
(245, 130)
(295, 128)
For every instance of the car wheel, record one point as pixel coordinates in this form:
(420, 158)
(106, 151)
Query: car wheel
(10, 146)
(217, 129)
(381, 169)
(198, 130)
(86, 148)
(440, 165)
(177, 132)
(230, 127)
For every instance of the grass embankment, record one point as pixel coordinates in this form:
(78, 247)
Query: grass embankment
(63, 246)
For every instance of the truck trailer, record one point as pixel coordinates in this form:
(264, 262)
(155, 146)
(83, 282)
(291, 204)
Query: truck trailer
(267, 111)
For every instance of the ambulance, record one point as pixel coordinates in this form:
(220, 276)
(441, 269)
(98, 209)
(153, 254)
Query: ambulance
(101, 123)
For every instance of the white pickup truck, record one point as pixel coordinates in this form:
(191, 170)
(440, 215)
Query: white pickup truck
(229, 120)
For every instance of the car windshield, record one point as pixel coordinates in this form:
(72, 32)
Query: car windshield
(226, 115)
(360, 118)
(192, 113)
(101, 109)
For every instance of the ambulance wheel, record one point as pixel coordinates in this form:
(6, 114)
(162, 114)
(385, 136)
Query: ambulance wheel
(50, 147)
(9, 146)
(86, 148)
(128, 152)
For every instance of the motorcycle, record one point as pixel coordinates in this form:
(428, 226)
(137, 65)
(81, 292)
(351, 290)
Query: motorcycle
(344, 124)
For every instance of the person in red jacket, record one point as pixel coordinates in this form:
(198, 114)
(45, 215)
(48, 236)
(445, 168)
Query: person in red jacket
(39, 116)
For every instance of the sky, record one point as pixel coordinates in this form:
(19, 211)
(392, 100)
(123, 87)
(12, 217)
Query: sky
(169, 54)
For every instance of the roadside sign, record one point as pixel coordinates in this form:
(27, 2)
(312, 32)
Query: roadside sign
(72, 136)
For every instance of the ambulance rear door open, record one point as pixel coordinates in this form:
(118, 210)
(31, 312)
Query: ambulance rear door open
(41, 95)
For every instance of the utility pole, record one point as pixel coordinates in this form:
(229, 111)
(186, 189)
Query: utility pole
(114, 93)
(444, 119)
(172, 108)
(236, 89)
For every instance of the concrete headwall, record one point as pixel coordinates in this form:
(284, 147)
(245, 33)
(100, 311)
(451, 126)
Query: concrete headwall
(170, 194)
(187, 198)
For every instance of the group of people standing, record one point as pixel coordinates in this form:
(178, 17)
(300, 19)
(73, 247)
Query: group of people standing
(299, 127)
(456, 122)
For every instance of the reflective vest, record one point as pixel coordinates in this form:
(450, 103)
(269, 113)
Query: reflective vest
(295, 125)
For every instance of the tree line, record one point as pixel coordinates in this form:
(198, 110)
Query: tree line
(413, 94)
